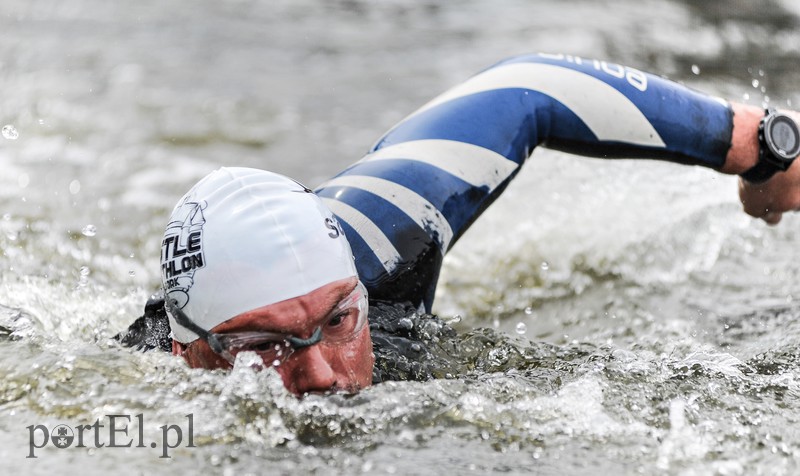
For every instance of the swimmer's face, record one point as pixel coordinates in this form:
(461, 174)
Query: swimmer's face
(330, 365)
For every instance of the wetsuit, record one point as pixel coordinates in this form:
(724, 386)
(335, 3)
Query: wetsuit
(423, 183)
(405, 204)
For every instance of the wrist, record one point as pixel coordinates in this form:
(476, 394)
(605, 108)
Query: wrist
(743, 154)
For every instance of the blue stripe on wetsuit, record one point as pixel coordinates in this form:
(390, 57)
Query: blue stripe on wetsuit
(431, 176)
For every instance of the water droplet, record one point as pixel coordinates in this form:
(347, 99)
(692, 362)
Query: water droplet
(545, 266)
(132, 255)
(85, 271)
(528, 310)
(89, 230)
(695, 69)
(6, 216)
(74, 187)
(131, 273)
(10, 132)
(41, 122)
(497, 356)
(11, 235)
(276, 363)
(521, 328)
(455, 319)
(755, 83)
(746, 96)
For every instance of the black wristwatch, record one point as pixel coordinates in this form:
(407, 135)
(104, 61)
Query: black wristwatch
(778, 146)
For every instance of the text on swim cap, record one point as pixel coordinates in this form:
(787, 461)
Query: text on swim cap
(177, 258)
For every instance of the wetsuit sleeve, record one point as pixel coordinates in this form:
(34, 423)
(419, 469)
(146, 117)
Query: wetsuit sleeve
(425, 181)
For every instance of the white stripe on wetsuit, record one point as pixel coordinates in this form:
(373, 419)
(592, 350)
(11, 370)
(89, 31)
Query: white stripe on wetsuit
(473, 164)
(478, 166)
(591, 99)
(410, 202)
(384, 250)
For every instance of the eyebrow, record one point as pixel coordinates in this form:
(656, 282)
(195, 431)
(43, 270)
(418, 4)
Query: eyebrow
(255, 326)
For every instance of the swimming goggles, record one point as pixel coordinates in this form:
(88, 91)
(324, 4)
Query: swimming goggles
(341, 325)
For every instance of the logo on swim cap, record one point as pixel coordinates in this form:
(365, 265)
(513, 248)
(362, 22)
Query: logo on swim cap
(182, 250)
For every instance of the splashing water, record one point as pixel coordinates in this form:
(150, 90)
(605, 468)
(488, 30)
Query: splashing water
(89, 230)
(10, 132)
(665, 333)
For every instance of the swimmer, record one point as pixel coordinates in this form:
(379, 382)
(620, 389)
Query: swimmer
(255, 261)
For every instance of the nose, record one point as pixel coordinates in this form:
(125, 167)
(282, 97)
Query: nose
(308, 370)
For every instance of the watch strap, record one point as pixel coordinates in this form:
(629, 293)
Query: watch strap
(761, 172)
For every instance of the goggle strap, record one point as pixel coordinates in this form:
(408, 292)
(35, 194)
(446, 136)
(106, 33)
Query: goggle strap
(184, 320)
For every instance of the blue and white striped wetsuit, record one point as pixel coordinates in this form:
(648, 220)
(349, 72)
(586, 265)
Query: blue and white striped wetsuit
(425, 181)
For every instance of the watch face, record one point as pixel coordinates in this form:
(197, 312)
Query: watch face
(783, 137)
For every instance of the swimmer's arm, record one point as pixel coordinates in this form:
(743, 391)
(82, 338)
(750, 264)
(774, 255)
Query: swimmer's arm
(431, 176)
(770, 199)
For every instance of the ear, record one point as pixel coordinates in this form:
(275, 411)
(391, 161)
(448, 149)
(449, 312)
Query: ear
(178, 348)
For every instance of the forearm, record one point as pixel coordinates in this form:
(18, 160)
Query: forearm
(583, 106)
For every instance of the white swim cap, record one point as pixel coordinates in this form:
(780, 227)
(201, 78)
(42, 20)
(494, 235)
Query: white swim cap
(244, 238)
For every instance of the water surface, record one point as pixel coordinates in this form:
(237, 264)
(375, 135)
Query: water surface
(633, 320)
